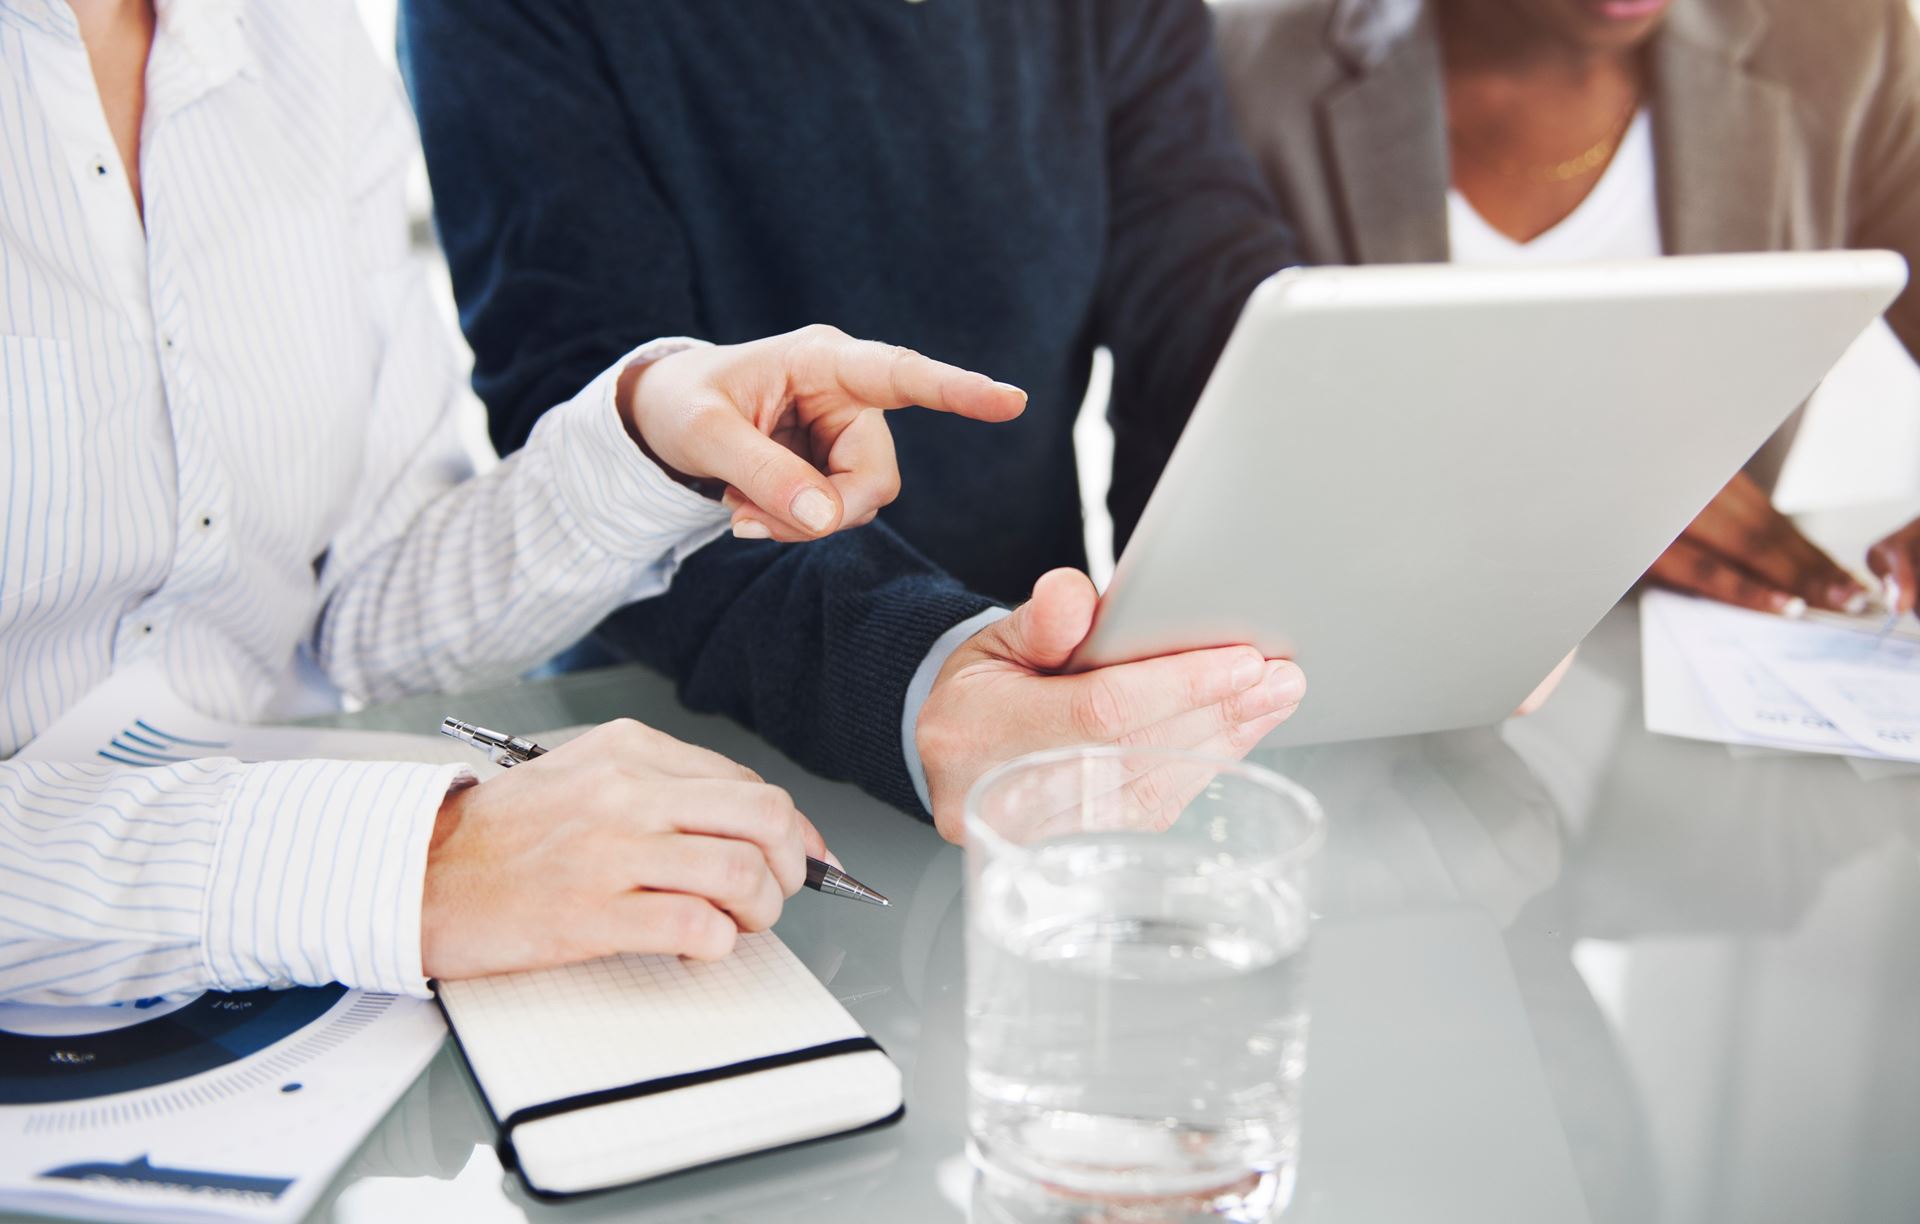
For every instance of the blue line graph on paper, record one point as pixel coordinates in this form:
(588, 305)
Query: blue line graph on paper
(142, 743)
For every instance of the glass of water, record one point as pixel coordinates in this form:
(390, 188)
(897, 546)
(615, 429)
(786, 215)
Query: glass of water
(1137, 926)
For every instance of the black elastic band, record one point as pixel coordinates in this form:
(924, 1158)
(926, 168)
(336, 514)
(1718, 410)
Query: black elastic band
(669, 1083)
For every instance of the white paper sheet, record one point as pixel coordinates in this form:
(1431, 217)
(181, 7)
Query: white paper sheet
(1724, 674)
(1867, 688)
(275, 1091)
(136, 719)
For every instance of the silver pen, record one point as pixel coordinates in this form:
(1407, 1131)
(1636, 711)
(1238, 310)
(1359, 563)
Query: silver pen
(507, 751)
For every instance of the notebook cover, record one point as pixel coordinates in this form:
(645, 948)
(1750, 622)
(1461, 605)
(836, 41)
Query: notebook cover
(509, 1157)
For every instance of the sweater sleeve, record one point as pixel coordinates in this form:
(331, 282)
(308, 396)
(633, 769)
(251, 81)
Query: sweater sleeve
(561, 248)
(1192, 231)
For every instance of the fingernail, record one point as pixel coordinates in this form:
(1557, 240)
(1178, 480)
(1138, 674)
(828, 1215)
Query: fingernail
(835, 860)
(751, 529)
(1010, 387)
(1793, 607)
(1247, 673)
(814, 509)
(1850, 598)
(1282, 686)
(1285, 683)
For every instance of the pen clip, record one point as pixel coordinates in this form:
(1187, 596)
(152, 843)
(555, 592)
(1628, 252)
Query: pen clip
(502, 749)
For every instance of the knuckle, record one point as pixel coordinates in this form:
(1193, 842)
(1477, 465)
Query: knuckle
(1098, 709)
(683, 922)
(618, 729)
(632, 735)
(1148, 791)
(763, 470)
(1245, 737)
(740, 872)
(703, 932)
(1199, 688)
(775, 808)
(900, 359)
(762, 914)
(700, 930)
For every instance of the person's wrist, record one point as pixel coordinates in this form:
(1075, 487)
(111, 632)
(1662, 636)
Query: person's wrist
(945, 743)
(933, 668)
(627, 399)
(439, 925)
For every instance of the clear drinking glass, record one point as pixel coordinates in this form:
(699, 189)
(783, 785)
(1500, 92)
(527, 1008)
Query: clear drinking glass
(1137, 929)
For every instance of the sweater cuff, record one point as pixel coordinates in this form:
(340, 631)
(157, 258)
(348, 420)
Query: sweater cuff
(922, 688)
(319, 873)
(619, 497)
(900, 630)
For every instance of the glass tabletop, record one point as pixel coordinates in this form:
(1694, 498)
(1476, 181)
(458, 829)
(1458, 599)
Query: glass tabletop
(1566, 971)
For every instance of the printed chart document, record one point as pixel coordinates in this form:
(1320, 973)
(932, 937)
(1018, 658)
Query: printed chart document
(220, 1106)
(1713, 672)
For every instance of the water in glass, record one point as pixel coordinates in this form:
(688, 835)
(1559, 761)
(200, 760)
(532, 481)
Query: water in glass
(1136, 1016)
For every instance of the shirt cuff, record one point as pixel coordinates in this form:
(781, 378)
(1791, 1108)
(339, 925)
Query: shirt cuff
(319, 873)
(623, 501)
(922, 687)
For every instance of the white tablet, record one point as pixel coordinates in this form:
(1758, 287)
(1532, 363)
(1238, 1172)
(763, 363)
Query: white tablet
(1426, 484)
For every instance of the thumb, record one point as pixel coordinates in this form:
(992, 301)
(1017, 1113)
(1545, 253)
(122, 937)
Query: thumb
(1045, 631)
(785, 489)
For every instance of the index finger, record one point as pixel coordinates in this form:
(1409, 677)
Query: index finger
(1108, 703)
(751, 812)
(889, 376)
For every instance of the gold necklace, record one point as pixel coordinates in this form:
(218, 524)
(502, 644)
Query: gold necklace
(1586, 162)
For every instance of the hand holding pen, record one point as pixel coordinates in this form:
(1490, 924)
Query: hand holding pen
(507, 751)
(622, 840)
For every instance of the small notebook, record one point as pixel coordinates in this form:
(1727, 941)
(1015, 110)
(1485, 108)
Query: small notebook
(629, 1068)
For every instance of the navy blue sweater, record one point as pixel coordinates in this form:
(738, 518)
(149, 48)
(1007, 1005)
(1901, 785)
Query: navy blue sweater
(1003, 184)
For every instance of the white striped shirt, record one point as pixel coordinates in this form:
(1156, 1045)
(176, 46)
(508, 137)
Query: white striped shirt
(229, 441)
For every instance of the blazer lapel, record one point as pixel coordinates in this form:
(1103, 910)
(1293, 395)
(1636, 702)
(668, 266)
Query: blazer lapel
(1388, 138)
(1721, 135)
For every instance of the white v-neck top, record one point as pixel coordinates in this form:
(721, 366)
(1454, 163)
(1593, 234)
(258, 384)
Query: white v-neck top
(1619, 219)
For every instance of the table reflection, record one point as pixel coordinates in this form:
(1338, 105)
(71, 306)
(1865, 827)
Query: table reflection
(1567, 971)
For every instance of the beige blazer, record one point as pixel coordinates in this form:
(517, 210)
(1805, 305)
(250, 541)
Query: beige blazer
(1778, 125)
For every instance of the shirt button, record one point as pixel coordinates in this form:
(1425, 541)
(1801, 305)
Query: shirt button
(100, 168)
(146, 631)
(206, 522)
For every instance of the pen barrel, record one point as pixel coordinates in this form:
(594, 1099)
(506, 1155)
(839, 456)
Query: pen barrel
(817, 872)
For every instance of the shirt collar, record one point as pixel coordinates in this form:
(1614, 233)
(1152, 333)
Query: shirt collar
(51, 17)
(198, 46)
(200, 43)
